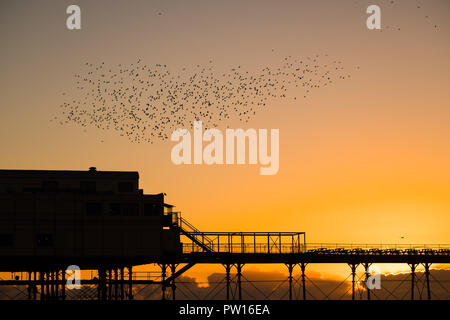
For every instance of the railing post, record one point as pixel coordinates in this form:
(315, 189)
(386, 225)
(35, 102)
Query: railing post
(230, 237)
(279, 240)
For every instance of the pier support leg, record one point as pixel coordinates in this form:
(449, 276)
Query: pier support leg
(367, 271)
(102, 284)
(130, 283)
(41, 278)
(116, 284)
(34, 285)
(110, 284)
(427, 278)
(50, 284)
(413, 278)
(56, 284)
(99, 291)
(122, 270)
(163, 280)
(302, 268)
(353, 266)
(239, 274)
(63, 284)
(47, 286)
(173, 268)
(228, 279)
(30, 286)
(290, 268)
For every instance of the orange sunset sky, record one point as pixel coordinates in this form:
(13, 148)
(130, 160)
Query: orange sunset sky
(364, 160)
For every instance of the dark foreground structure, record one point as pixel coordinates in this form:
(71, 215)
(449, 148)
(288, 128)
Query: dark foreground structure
(102, 221)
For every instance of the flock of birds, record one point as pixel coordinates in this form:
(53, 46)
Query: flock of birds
(148, 102)
(417, 6)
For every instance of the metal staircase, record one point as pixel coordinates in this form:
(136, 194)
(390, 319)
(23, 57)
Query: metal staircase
(194, 234)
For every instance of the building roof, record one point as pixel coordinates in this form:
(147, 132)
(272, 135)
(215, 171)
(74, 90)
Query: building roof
(69, 174)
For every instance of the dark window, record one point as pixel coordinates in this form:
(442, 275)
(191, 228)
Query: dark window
(131, 209)
(6, 240)
(114, 209)
(125, 187)
(152, 209)
(50, 185)
(94, 208)
(88, 186)
(44, 240)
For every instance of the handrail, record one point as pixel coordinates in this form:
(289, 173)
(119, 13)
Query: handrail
(264, 248)
(390, 246)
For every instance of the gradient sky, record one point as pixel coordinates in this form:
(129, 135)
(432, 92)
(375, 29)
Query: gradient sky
(365, 160)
